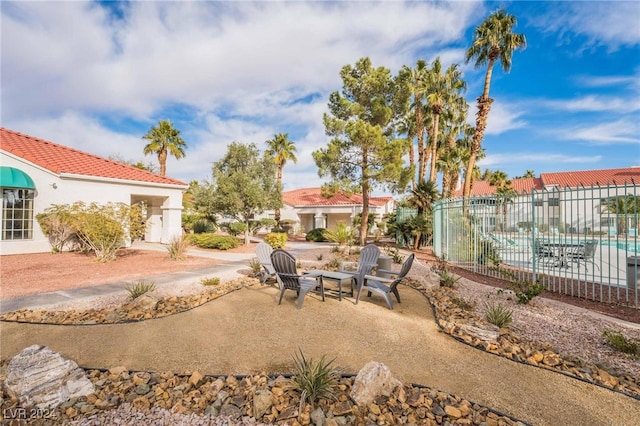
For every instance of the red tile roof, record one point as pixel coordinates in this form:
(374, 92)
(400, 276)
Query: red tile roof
(629, 175)
(62, 159)
(313, 197)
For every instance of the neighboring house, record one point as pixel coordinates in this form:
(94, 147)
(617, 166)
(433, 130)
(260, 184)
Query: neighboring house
(309, 209)
(37, 174)
(574, 202)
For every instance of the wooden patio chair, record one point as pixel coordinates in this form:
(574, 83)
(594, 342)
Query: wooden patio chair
(284, 265)
(263, 251)
(366, 262)
(386, 286)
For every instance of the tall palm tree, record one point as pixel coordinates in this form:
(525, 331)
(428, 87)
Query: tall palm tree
(282, 150)
(504, 193)
(493, 40)
(408, 125)
(422, 198)
(417, 80)
(164, 139)
(442, 89)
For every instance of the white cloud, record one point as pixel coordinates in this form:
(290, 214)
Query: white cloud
(622, 131)
(502, 117)
(602, 23)
(597, 104)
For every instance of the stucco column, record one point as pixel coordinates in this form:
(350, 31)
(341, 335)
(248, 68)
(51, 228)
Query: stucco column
(171, 223)
(319, 220)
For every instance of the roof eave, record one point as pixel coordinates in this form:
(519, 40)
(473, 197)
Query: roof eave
(75, 176)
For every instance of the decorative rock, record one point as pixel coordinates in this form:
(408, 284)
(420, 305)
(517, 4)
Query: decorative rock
(44, 379)
(262, 403)
(372, 380)
(195, 378)
(452, 411)
(230, 410)
(317, 417)
(487, 333)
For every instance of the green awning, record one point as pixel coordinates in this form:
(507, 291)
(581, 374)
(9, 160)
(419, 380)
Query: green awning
(14, 178)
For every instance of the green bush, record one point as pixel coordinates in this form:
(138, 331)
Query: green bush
(212, 281)
(102, 229)
(498, 314)
(256, 267)
(275, 239)
(618, 341)
(314, 380)
(203, 226)
(212, 241)
(316, 234)
(234, 228)
(138, 288)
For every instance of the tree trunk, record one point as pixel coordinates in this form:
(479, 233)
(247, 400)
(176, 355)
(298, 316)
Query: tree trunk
(420, 135)
(434, 149)
(279, 180)
(412, 161)
(484, 105)
(162, 160)
(247, 240)
(364, 218)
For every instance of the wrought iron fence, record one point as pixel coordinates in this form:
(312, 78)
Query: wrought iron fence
(581, 241)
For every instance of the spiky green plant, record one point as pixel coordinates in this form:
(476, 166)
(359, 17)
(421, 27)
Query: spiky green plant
(178, 247)
(314, 380)
(138, 288)
(447, 279)
(498, 314)
(256, 267)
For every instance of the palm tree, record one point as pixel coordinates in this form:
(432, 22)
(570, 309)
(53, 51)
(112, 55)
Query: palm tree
(164, 139)
(442, 89)
(417, 84)
(504, 193)
(422, 198)
(408, 125)
(493, 40)
(626, 208)
(282, 150)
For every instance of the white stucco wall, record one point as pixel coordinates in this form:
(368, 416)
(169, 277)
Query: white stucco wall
(165, 200)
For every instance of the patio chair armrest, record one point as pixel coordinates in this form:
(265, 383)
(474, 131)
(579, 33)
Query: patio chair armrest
(376, 278)
(387, 271)
(348, 263)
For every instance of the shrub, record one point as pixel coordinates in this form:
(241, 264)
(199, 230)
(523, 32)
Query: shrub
(334, 263)
(462, 303)
(618, 341)
(212, 281)
(102, 229)
(138, 288)
(447, 279)
(256, 267)
(524, 290)
(319, 257)
(234, 228)
(314, 380)
(341, 234)
(316, 234)
(211, 241)
(275, 239)
(498, 314)
(178, 247)
(203, 226)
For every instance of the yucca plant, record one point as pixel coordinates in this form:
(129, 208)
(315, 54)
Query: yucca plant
(256, 267)
(138, 288)
(447, 279)
(314, 380)
(178, 247)
(498, 314)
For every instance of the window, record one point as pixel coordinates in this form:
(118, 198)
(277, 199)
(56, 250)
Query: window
(538, 202)
(17, 214)
(554, 202)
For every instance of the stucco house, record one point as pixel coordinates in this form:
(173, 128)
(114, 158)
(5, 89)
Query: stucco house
(309, 209)
(36, 174)
(571, 202)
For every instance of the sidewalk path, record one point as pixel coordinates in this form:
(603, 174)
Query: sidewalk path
(246, 332)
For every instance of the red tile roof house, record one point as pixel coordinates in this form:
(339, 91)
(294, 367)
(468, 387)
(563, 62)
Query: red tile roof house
(37, 174)
(565, 199)
(309, 209)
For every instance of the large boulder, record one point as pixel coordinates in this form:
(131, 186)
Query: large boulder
(374, 379)
(44, 379)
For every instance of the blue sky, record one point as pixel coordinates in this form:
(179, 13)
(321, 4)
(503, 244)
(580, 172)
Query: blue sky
(97, 76)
